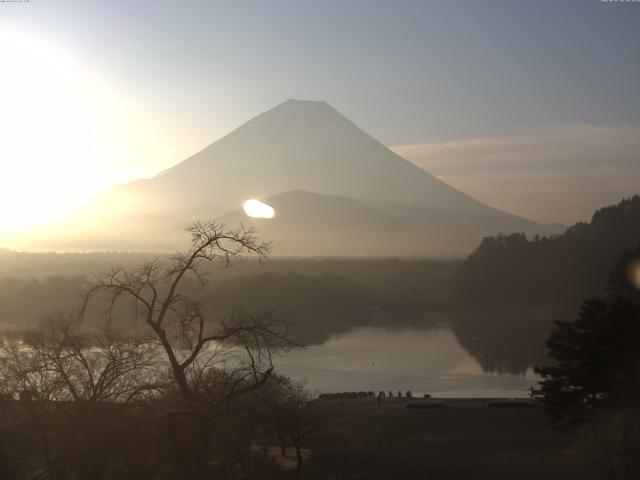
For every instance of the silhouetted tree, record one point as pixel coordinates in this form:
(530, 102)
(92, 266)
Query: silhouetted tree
(597, 362)
(75, 387)
(594, 386)
(294, 416)
(213, 362)
(191, 339)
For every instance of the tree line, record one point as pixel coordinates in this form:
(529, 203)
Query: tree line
(559, 270)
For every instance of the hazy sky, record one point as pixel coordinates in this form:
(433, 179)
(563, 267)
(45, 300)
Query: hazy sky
(531, 106)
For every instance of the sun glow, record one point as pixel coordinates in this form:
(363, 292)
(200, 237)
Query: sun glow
(66, 135)
(634, 273)
(48, 133)
(258, 209)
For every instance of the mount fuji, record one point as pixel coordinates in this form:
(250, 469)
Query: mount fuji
(336, 191)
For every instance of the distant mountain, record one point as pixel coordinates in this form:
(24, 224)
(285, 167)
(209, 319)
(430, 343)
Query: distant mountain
(364, 194)
(309, 223)
(299, 145)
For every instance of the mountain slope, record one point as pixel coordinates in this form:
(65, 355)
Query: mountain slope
(294, 147)
(298, 145)
(308, 223)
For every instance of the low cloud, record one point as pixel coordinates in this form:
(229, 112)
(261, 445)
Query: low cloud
(559, 174)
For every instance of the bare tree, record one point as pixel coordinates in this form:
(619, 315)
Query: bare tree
(293, 415)
(194, 372)
(77, 386)
(194, 342)
(59, 361)
(212, 361)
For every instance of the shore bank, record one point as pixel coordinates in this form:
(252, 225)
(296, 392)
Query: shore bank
(467, 441)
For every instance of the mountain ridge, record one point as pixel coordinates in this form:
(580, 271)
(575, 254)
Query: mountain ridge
(308, 145)
(296, 146)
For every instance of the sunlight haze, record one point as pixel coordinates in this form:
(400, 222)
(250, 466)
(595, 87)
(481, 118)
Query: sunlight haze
(67, 135)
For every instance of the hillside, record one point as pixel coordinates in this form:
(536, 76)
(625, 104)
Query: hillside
(559, 271)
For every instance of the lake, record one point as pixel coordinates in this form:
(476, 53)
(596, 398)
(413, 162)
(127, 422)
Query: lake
(423, 359)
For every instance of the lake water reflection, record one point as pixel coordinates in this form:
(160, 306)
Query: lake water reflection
(423, 359)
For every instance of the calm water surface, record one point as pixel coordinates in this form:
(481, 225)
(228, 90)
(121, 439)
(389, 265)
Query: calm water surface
(420, 359)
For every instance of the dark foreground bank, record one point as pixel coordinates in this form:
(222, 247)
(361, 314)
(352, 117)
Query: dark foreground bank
(468, 440)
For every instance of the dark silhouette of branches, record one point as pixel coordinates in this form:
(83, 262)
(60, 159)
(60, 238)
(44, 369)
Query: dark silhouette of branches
(191, 339)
